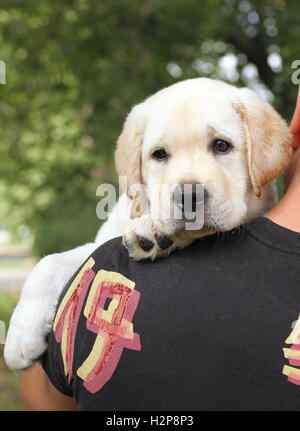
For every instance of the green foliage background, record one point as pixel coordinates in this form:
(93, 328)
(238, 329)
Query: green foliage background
(74, 69)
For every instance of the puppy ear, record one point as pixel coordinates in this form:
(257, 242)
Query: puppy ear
(269, 143)
(128, 158)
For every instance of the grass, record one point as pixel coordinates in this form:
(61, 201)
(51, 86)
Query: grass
(9, 382)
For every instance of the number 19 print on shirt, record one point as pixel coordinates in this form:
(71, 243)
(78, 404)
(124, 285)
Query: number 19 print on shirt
(111, 323)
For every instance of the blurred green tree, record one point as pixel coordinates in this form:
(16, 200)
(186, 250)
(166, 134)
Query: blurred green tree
(75, 68)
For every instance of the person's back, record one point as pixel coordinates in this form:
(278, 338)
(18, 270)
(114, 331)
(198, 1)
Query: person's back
(203, 329)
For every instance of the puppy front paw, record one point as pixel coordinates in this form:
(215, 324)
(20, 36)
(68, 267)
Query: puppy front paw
(143, 240)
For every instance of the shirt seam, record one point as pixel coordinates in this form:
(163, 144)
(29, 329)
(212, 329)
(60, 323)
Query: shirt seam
(271, 245)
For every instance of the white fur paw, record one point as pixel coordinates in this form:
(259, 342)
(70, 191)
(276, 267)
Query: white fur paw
(143, 241)
(26, 337)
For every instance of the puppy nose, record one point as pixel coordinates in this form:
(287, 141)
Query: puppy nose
(189, 197)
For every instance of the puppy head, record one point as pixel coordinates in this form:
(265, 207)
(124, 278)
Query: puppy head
(203, 131)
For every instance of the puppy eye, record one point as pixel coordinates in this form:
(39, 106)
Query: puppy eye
(221, 146)
(160, 154)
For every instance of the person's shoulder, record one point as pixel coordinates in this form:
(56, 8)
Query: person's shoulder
(274, 236)
(111, 255)
(114, 246)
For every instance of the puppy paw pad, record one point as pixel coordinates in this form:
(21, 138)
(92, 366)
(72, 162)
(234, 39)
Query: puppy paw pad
(163, 241)
(145, 243)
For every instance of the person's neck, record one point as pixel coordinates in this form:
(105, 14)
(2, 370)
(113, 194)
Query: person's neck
(287, 212)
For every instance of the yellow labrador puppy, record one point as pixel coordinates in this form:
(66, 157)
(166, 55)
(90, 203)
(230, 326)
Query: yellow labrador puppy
(196, 158)
(205, 132)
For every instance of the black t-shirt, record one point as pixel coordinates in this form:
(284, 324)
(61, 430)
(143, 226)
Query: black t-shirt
(203, 329)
